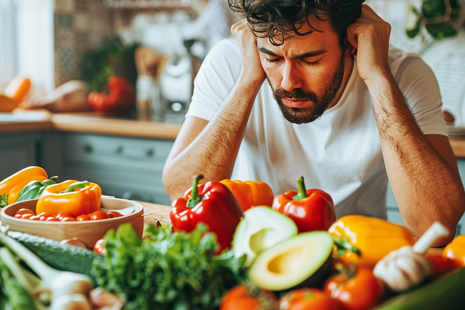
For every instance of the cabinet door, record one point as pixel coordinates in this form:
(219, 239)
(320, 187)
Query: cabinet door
(124, 167)
(18, 151)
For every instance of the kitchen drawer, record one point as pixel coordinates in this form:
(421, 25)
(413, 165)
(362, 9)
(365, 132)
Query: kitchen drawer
(100, 148)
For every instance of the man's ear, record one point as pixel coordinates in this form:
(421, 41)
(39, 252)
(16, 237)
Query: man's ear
(349, 48)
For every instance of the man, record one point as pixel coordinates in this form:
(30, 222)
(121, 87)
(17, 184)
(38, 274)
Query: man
(356, 112)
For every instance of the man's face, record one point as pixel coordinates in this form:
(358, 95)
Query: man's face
(306, 72)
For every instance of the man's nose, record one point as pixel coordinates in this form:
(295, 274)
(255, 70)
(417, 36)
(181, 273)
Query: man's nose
(291, 77)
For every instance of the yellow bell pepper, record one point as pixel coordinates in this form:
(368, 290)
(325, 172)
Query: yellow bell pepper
(365, 240)
(456, 250)
(70, 196)
(12, 186)
(250, 194)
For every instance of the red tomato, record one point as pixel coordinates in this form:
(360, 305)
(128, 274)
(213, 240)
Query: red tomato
(441, 264)
(62, 215)
(18, 216)
(52, 219)
(112, 214)
(83, 217)
(67, 219)
(358, 289)
(308, 298)
(98, 215)
(34, 217)
(43, 216)
(99, 246)
(250, 298)
(26, 216)
(23, 211)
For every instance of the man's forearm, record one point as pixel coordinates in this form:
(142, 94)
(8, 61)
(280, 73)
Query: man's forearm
(213, 152)
(427, 188)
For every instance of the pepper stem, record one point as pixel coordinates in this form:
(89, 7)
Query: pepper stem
(73, 186)
(302, 191)
(195, 198)
(344, 245)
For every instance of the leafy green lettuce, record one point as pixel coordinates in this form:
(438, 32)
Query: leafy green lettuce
(167, 270)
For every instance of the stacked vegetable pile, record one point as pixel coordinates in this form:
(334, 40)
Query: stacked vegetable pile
(233, 245)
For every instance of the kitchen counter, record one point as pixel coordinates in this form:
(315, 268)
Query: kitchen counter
(95, 123)
(127, 125)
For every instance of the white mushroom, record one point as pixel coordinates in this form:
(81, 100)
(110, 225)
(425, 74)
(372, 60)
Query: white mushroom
(403, 268)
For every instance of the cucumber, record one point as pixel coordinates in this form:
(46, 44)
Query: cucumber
(446, 293)
(62, 257)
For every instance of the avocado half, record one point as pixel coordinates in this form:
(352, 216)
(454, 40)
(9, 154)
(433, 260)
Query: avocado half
(301, 261)
(260, 229)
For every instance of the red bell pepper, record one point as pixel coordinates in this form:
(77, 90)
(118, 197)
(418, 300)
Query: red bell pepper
(121, 96)
(211, 204)
(310, 209)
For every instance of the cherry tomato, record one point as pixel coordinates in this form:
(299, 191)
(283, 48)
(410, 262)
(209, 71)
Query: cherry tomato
(308, 298)
(99, 246)
(23, 211)
(98, 215)
(52, 219)
(356, 288)
(83, 217)
(18, 216)
(250, 298)
(441, 264)
(67, 219)
(44, 216)
(112, 214)
(61, 215)
(26, 216)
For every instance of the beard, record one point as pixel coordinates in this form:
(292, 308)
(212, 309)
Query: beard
(320, 104)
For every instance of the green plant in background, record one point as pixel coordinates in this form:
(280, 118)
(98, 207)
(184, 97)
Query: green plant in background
(439, 17)
(99, 65)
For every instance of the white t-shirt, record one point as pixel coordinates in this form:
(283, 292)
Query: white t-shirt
(339, 153)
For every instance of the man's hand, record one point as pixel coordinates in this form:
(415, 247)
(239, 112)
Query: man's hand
(252, 69)
(370, 36)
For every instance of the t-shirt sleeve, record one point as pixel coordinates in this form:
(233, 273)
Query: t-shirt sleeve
(421, 89)
(215, 79)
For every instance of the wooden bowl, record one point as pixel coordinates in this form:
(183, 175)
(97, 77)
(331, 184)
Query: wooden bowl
(87, 231)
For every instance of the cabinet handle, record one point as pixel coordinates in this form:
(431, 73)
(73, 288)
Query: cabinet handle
(127, 195)
(88, 148)
(150, 152)
(119, 149)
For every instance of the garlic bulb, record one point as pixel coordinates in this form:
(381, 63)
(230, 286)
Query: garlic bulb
(403, 268)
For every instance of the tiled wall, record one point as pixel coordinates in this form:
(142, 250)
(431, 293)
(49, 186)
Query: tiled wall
(80, 26)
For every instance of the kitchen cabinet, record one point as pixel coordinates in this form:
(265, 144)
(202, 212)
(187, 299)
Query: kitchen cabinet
(393, 210)
(19, 150)
(125, 167)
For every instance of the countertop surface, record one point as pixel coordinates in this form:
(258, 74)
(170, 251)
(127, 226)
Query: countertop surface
(119, 125)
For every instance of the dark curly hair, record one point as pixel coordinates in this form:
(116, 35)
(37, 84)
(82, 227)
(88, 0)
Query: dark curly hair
(277, 19)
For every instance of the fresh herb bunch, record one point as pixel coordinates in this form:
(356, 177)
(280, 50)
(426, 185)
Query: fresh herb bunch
(439, 17)
(97, 65)
(167, 270)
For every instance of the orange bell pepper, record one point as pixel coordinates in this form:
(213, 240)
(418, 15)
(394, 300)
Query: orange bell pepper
(365, 240)
(18, 88)
(250, 194)
(12, 186)
(456, 250)
(70, 196)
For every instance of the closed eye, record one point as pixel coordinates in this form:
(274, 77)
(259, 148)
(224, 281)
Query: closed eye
(272, 60)
(313, 63)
